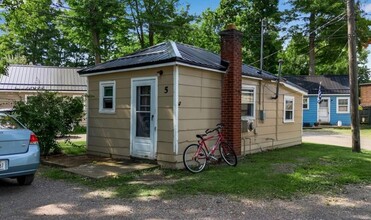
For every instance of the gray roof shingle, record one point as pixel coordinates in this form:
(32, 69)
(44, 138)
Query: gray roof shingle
(27, 77)
(172, 51)
(330, 84)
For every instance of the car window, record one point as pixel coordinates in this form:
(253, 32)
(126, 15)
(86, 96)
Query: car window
(7, 122)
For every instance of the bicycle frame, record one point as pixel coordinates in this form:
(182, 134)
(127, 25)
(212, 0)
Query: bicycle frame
(211, 151)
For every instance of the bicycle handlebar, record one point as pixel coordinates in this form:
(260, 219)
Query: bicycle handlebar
(218, 127)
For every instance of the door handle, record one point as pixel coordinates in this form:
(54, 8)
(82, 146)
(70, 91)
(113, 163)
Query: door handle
(152, 117)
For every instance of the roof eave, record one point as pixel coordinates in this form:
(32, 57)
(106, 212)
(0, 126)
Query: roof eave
(149, 64)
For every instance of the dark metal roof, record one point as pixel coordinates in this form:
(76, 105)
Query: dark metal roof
(27, 77)
(173, 51)
(330, 84)
(161, 53)
(255, 72)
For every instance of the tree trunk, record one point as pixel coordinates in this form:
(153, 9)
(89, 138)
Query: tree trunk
(312, 37)
(96, 46)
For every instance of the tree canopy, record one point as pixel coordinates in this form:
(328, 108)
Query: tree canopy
(311, 37)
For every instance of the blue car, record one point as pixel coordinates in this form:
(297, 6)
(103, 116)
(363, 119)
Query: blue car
(19, 151)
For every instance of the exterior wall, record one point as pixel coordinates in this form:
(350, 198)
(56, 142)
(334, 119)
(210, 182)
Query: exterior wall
(109, 134)
(310, 115)
(200, 108)
(9, 98)
(365, 94)
(272, 131)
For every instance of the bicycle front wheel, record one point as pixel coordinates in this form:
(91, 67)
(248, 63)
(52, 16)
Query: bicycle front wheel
(228, 154)
(194, 158)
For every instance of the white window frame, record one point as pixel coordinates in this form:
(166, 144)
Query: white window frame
(248, 87)
(102, 85)
(289, 98)
(26, 97)
(306, 98)
(337, 105)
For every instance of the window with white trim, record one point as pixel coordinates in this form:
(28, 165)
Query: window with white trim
(28, 97)
(289, 103)
(306, 103)
(248, 102)
(342, 105)
(107, 96)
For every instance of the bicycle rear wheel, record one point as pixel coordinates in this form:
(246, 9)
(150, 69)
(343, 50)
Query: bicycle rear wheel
(194, 159)
(228, 154)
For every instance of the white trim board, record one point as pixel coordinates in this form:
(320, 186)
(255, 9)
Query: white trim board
(176, 109)
(150, 67)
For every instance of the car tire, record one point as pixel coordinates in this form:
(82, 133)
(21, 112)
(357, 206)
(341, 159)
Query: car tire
(25, 180)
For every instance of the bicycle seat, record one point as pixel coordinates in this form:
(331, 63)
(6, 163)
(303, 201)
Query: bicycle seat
(200, 135)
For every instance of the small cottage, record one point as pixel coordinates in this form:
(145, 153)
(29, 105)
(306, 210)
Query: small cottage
(152, 103)
(333, 106)
(24, 81)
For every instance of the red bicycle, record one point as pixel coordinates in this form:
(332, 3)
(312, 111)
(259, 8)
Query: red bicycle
(195, 156)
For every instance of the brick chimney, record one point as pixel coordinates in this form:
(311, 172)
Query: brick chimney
(231, 52)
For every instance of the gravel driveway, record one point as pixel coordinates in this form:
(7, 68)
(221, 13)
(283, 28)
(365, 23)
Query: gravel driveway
(331, 138)
(50, 199)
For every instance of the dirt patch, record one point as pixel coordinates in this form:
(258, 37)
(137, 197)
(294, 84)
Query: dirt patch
(283, 168)
(156, 177)
(67, 161)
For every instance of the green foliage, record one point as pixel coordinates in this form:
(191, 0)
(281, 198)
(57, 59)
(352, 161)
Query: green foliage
(98, 26)
(283, 173)
(329, 28)
(154, 21)
(247, 16)
(31, 31)
(49, 115)
(78, 129)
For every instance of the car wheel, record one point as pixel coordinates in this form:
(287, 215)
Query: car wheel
(25, 180)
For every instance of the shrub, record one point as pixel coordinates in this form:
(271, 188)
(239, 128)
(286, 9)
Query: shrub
(48, 114)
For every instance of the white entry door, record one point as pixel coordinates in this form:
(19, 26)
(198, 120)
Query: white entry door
(324, 111)
(143, 118)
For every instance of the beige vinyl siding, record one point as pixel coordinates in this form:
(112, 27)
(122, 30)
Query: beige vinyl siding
(200, 98)
(109, 134)
(272, 132)
(9, 98)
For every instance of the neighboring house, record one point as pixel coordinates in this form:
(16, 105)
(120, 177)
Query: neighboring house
(23, 81)
(151, 104)
(334, 108)
(365, 113)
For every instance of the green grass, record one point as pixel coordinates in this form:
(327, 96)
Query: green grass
(284, 173)
(73, 148)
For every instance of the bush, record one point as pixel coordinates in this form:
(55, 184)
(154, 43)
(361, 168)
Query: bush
(79, 129)
(49, 115)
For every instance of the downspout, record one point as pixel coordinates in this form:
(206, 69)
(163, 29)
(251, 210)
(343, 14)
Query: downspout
(278, 78)
(277, 93)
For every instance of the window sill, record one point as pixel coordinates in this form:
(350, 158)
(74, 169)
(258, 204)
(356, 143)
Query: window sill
(107, 111)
